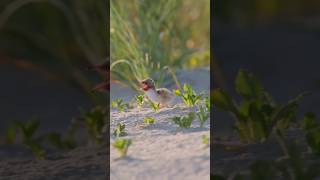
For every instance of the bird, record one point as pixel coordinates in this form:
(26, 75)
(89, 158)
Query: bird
(160, 95)
(105, 69)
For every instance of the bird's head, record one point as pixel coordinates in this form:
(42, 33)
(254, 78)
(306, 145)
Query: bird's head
(147, 84)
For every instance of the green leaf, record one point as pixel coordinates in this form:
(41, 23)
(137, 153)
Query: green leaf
(247, 85)
(309, 121)
(149, 120)
(222, 100)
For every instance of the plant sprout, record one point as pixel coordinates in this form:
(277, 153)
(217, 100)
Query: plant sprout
(120, 105)
(149, 120)
(140, 100)
(154, 106)
(202, 115)
(257, 115)
(94, 121)
(119, 131)
(122, 146)
(184, 121)
(205, 140)
(189, 96)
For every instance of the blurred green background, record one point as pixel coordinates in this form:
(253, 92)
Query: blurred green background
(147, 37)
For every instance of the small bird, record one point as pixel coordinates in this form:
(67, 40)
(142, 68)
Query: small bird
(161, 95)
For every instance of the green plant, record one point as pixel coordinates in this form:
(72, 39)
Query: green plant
(119, 130)
(207, 103)
(122, 146)
(202, 115)
(205, 140)
(149, 120)
(184, 121)
(312, 131)
(188, 95)
(26, 131)
(154, 106)
(140, 100)
(152, 28)
(257, 115)
(120, 105)
(76, 32)
(94, 121)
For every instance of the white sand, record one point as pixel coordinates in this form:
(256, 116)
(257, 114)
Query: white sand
(163, 150)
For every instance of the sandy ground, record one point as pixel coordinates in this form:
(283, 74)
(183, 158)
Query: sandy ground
(162, 150)
(81, 163)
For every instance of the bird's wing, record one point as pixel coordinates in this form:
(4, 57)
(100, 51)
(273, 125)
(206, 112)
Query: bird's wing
(164, 93)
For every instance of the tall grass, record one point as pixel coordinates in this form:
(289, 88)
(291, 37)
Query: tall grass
(148, 38)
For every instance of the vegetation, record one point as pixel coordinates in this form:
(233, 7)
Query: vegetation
(120, 105)
(261, 117)
(203, 115)
(149, 120)
(188, 95)
(159, 38)
(257, 115)
(184, 121)
(119, 131)
(154, 106)
(139, 100)
(122, 146)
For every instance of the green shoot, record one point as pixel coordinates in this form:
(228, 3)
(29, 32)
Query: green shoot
(27, 131)
(119, 131)
(184, 121)
(140, 100)
(207, 103)
(257, 115)
(149, 120)
(312, 129)
(94, 122)
(120, 105)
(189, 96)
(202, 115)
(122, 146)
(205, 140)
(154, 106)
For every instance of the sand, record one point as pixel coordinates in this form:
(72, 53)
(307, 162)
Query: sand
(162, 150)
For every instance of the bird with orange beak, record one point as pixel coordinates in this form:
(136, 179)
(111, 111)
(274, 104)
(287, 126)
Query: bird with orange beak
(160, 95)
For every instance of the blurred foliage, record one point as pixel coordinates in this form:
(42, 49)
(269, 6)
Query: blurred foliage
(59, 36)
(251, 12)
(148, 36)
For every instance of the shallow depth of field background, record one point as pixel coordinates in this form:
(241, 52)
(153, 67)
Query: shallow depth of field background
(275, 40)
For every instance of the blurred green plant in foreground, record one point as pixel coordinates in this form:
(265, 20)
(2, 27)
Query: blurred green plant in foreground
(61, 37)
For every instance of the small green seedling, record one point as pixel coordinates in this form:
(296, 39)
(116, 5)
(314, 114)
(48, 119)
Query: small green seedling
(154, 106)
(26, 131)
(205, 140)
(189, 96)
(120, 105)
(140, 100)
(184, 121)
(119, 131)
(122, 146)
(94, 121)
(257, 115)
(149, 120)
(312, 129)
(207, 103)
(202, 115)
